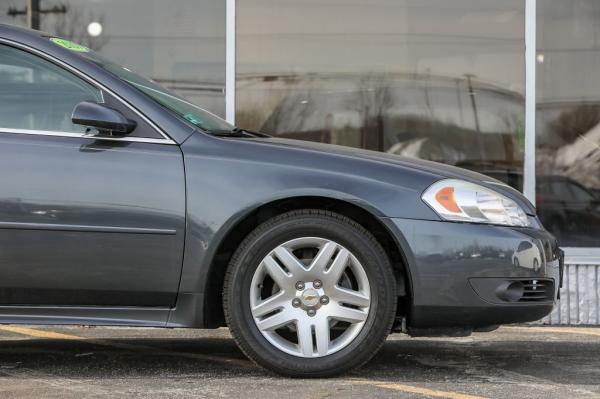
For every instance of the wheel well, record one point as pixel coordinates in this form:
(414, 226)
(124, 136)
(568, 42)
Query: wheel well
(213, 296)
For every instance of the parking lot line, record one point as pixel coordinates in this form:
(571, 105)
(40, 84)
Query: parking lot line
(418, 390)
(32, 332)
(559, 330)
(39, 333)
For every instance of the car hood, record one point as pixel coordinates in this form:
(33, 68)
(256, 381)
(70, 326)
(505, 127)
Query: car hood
(435, 168)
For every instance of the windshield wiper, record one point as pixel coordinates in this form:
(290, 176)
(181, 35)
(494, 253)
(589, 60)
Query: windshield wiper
(237, 132)
(227, 133)
(251, 132)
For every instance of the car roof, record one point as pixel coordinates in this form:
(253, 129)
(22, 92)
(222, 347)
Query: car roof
(20, 30)
(23, 35)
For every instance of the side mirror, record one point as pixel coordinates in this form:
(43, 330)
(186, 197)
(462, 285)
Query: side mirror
(101, 117)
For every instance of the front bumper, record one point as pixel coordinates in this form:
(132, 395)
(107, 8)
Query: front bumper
(473, 275)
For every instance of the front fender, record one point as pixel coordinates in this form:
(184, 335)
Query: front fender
(228, 179)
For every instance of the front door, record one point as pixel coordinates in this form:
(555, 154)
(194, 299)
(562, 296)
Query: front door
(84, 221)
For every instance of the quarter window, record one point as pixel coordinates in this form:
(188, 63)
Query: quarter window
(38, 95)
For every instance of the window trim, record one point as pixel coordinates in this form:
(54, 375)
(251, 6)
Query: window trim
(7, 130)
(10, 130)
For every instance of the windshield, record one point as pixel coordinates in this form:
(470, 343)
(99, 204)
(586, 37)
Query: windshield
(205, 120)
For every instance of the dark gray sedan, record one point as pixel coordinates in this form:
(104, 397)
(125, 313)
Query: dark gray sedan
(124, 204)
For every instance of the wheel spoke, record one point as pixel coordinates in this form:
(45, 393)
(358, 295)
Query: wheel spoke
(305, 339)
(350, 315)
(281, 278)
(350, 297)
(334, 273)
(294, 266)
(320, 262)
(270, 304)
(275, 321)
(322, 335)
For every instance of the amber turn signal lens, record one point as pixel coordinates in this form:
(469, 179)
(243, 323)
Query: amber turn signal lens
(445, 197)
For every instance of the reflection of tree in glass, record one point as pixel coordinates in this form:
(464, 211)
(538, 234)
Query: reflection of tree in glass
(255, 112)
(373, 98)
(294, 116)
(578, 154)
(575, 122)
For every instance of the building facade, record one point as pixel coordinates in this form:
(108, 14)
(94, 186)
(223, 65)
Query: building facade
(507, 88)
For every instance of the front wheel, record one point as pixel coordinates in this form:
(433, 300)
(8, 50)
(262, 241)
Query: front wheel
(310, 294)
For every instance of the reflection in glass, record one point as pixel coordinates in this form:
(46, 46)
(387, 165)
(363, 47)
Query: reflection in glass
(180, 44)
(38, 95)
(568, 120)
(436, 79)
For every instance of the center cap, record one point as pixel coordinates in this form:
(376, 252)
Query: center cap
(310, 297)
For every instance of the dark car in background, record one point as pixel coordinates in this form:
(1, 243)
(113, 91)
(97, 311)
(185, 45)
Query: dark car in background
(567, 208)
(123, 204)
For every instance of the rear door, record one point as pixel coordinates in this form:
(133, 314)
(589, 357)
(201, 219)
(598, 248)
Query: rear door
(84, 220)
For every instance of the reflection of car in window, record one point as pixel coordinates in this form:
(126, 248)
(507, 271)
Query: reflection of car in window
(566, 207)
(394, 113)
(527, 255)
(569, 209)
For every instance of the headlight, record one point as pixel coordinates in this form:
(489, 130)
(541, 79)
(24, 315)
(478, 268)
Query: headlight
(462, 201)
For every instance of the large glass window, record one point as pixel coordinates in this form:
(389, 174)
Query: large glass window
(180, 44)
(568, 120)
(434, 79)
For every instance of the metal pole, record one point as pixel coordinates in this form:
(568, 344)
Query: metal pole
(230, 61)
(530, 53)
(459, 102)
(469, 76)
(33, 14)
(473, 102)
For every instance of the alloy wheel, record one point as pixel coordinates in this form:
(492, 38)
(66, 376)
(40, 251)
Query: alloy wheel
(310, 297)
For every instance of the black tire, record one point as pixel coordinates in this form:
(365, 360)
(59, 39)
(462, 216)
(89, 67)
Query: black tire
(286, 227)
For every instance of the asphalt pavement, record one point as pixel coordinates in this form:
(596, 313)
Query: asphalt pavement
(106, 362)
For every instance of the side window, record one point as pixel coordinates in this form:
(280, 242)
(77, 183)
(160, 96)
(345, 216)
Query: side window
(561, 191)
(38, 95)
(581, 194)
